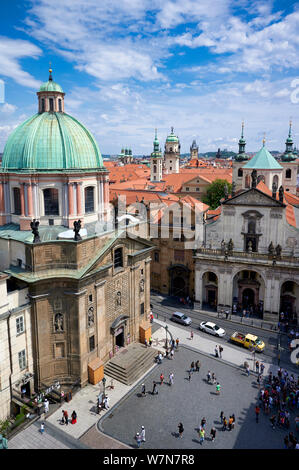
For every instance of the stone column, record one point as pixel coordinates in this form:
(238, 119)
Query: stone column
(30, 201)
(22, 192)
(2, 204)
(198, 285)
(79, 198)
(71, 199)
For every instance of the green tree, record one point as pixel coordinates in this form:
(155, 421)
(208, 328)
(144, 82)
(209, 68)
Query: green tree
(215, 192)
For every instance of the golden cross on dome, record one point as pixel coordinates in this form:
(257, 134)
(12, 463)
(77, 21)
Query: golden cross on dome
(264, 139)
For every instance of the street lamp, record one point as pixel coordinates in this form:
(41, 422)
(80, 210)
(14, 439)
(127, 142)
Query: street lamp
(166, 341)
(104, 383)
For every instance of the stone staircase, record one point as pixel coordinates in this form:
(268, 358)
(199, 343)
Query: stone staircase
(130, 363)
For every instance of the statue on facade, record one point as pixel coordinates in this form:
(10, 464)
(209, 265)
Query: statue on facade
(249, 246)
(233, 188)
(271, 249)
(253, 178)
(278, 250)
(225, 191)
(118, 299)
(141, 285)
(77, 228)
(90, 316)
(280, 193)
(274, 189)
(230, 245)
(58, 322)
(34, 227)
(222, 246)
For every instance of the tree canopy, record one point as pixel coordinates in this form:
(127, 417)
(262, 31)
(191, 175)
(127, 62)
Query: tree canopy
(215, 192)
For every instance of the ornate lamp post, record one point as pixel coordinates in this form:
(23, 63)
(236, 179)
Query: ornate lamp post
(104, 383)
(166, 341)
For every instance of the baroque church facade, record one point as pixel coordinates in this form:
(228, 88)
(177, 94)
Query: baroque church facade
(75, 289)
(250, 258)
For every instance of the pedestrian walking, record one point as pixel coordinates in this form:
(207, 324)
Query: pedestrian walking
(181, 430)
(143, 390)
(155, 391)
(218, 388)
(197, 366)
(203, 422)
(221, 417)
(171, 377)
(191, 335)
(145, 342)
(142, 434)
(273, 421)
(171, 354)
(189, 375)
(66, 417)
(262, 368)
(234, 420)
(138, 439)
(257, 412)
(62, 418)
(213, 434)
(220, 350)
(150, 341)
(214, 380)
(224, 424)
(46, 405)
(201, 433)
(42, 428)
(177, 343)
(230, 423)
(106, 403)
(74, 417)
(247, 370)
(161, 378)
(192, 367)
(208, 376)
(216, 351)
(257, 367)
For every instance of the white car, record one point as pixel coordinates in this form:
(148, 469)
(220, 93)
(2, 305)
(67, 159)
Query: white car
(211, 328)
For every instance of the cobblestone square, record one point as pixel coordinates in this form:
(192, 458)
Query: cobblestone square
(189, 402)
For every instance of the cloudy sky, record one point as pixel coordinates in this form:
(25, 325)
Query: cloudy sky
(128, 66)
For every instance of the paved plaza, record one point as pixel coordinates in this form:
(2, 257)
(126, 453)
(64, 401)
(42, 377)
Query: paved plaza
(189, 402)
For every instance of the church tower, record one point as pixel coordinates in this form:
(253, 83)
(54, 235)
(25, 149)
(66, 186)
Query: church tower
(194, 151)
(156, 161)
(239, 161)
(290, 164)
(172, 153)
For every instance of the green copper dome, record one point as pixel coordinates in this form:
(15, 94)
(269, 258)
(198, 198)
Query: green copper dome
(51, 86)
(263, 160)
(172, 137)
(51, 141)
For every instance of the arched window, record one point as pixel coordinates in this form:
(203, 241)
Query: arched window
(247, 181)
(51, 202)
(89, 199)
(17, 201)
(240, 172)
(51, 104)
(43, 105)
(288, 173)
(155, 168)
(275, 180)
(60, 105)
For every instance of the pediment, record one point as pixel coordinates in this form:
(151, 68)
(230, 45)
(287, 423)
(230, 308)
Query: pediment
(253, 197)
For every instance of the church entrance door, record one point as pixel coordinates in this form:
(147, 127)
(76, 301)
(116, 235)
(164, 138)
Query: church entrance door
(248, 298)
(119, 338)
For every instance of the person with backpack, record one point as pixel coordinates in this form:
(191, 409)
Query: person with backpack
(181, 430)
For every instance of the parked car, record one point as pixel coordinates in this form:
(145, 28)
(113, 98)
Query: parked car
(181, 318)
(211, 328)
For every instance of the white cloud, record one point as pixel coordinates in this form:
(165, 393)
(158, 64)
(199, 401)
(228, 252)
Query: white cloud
(11, 51)
(7, 108)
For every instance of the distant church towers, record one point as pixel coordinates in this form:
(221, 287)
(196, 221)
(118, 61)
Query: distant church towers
(156, 160)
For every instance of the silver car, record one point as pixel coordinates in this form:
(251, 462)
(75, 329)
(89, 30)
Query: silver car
(181, 318)
(211, 328)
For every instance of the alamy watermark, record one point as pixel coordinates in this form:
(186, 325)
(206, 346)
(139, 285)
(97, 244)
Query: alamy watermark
(295, 93)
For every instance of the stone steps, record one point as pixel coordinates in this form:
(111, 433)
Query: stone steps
(128, 368)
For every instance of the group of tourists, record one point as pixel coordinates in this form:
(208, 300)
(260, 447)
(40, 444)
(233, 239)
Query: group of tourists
(279, 399)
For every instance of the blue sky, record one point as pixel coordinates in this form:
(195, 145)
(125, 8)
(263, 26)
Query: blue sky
(128, 66)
